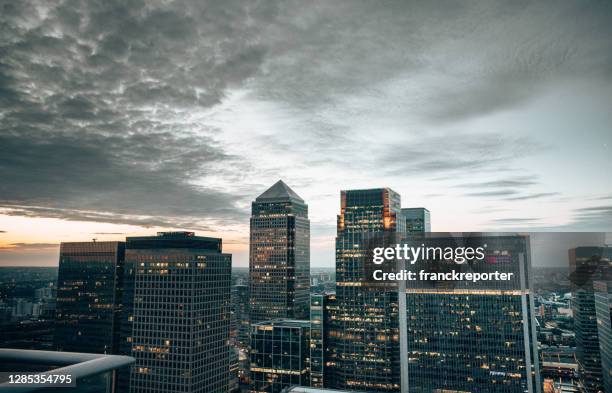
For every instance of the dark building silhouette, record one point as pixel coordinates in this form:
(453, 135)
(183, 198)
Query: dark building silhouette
(364, 341)
(89, 292)
(279, 259)
(177, 314)
(280, 352)
(587, 265)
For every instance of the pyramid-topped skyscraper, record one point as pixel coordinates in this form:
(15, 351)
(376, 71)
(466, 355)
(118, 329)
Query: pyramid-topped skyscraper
(279, 255)
(279, 192)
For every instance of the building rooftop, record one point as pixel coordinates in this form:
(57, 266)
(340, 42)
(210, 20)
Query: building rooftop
(174, 240)
(279, 192)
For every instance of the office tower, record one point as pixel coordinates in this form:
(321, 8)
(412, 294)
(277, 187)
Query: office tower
(470, 336)
(417, 219)
(279, 355)
(588, 264)
(603, 312)
(240, 306)
(177, 314)
(89, 297)
(239, 332)
(364, 343)
(279, 261)
(321, 306)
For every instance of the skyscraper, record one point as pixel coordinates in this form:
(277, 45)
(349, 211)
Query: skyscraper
(588, 264)
(279, 260)
(89, 297)
(240, 300)
(461, 336)
(280, 352)
(417, 219)
(364, 341)
(320, 315)
(603, 312)
(177, 314)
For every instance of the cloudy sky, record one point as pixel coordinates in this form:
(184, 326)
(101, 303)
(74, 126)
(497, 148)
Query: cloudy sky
(128, 117)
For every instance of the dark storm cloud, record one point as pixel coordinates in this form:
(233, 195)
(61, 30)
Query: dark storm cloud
(100, 100)
(462, 58)
(96, 101)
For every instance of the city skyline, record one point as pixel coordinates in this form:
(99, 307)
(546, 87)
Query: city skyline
(128, 119)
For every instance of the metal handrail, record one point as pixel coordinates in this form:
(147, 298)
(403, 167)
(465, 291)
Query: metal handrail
(79, 365)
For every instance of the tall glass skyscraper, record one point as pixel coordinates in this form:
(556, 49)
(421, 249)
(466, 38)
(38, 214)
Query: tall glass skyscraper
(364, 341)
(177, 314)
(279, 260)
(587, 265)
(89, 297)
(603, 311)
(320, 307)
(462, 336)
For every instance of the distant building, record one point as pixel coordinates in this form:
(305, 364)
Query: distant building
(23, 308)
(417, 219)
(279, 260)
(364, 344)
(177, 314)
(89, 297)
(240, 306)
(603, 312)
(587, 265)
(280, 352)
(45, 293)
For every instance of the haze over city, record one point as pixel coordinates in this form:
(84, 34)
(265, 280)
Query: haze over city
(124, 118)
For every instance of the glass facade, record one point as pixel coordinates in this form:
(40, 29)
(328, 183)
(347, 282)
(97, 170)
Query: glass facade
(280, 352)
(603, 311)
(417, 219)
(587, 265)
(279, 259)
(320, 306)
(364, 336)
(240, 301)
(89, 297)
(177, 314)
(471, 336)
